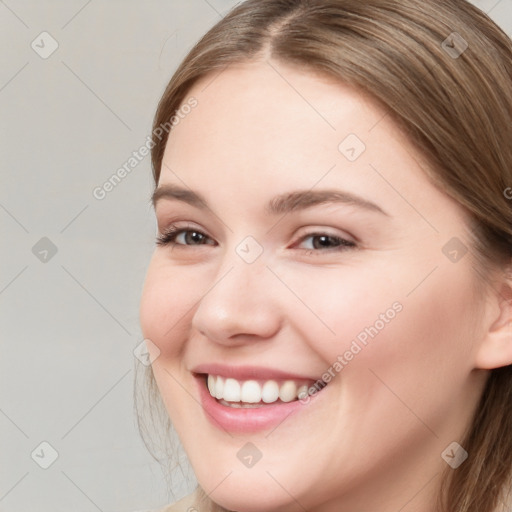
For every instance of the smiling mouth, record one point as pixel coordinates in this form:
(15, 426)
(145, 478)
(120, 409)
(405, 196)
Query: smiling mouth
(254, 393)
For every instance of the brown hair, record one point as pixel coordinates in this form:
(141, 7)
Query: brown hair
(456, 110)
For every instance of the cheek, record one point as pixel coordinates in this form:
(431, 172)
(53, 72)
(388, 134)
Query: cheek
(436, 325)
(419, 362)
(166, 306)
(340, 310)
(371, 325)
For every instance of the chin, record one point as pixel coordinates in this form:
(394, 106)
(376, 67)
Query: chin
(262, 488)
(249, 496)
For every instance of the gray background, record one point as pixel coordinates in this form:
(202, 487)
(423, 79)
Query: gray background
(69, 319)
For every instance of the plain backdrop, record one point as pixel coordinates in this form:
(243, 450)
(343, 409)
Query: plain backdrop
(79, 84)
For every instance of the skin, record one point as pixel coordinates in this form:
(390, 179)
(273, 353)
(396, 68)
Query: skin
(373, 438)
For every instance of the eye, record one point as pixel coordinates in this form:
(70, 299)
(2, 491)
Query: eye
(181, 236)
(316, 242)
(313, 242)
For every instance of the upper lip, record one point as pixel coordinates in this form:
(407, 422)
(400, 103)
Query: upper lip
(249, 372)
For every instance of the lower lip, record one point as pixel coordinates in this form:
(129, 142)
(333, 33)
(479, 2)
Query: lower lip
(247, 419)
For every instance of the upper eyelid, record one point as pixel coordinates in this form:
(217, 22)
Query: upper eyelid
(349, 242)
(175, 231)
(338, 233)
(177, 226)
(312, 232)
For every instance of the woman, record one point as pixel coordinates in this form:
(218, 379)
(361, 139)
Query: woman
(329, 304)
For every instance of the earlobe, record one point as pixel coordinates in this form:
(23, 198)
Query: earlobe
(495, 350)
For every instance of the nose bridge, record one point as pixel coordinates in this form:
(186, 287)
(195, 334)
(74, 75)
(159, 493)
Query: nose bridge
(238, 301)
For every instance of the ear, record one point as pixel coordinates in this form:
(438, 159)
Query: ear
(495, 350)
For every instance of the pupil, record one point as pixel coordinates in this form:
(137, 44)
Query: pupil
(323, 241)
(193, 236)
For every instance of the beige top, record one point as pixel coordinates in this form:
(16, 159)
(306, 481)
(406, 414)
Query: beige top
(186, 504)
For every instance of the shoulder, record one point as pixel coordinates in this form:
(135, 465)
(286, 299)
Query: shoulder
(186, 504)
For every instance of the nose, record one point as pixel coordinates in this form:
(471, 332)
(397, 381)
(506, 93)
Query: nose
(240, 306)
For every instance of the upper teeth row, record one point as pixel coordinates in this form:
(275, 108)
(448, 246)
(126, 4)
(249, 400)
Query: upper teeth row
(252, 392)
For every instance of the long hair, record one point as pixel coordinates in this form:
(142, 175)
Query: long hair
(442, 70)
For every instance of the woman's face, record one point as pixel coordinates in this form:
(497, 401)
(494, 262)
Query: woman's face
(310, 246)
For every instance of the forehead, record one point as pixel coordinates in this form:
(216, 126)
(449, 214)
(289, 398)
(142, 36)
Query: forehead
(267, 97)
(263, 128)
(278, 116)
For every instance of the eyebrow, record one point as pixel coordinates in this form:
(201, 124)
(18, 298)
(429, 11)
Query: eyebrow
(284, 203)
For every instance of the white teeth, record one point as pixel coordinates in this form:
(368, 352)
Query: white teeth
(219, 387)
(302, 392)
(253, 392)
(231, 391)
(211, 385)
(288, 391)
(270, 391)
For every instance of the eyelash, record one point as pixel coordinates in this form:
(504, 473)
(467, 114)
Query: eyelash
(168, 237)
